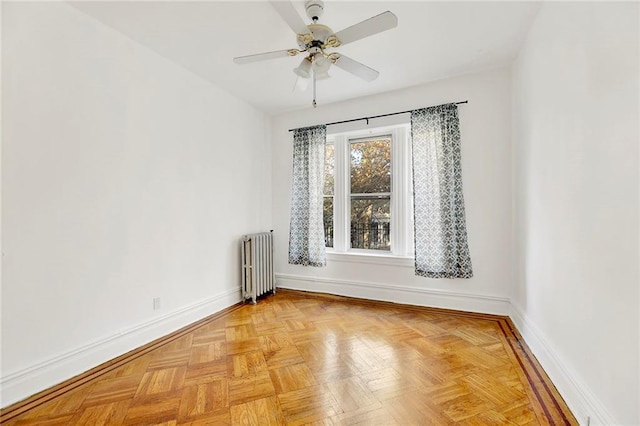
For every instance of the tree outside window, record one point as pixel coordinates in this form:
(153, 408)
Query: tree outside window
(370, 193)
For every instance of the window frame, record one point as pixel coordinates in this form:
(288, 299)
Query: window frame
(401, 209)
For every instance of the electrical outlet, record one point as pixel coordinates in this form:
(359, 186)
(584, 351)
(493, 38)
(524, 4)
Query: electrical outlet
(156, 303)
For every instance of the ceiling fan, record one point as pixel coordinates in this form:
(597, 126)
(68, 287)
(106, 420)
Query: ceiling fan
(314, 40)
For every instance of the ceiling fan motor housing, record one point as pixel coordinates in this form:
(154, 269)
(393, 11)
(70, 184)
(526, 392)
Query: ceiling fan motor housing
(320, 35)
(314, 9)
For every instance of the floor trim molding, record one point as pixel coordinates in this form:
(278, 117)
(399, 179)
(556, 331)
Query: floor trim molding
(18, 387)
(397, 293)
(579, 398)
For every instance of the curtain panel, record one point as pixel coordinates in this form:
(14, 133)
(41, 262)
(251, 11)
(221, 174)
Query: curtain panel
(441, 249)
(306, 232)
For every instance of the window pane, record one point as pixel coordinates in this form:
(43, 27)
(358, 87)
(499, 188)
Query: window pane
(327, 212)
(371, 166)
(370, 223)
(329, 161)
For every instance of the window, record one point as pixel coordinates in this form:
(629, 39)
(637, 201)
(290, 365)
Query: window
(367, 193)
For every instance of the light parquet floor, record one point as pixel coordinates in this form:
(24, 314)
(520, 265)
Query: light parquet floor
(299, 358)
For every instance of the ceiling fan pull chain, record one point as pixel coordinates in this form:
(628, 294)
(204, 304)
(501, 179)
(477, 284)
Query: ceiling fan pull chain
(314, 89)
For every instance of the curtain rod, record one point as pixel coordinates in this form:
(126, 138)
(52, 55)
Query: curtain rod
(381, 115)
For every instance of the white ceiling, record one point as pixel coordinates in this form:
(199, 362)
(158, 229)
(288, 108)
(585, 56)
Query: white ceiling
(433, 40)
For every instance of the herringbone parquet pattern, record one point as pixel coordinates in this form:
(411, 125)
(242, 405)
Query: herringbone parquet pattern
(298, 358)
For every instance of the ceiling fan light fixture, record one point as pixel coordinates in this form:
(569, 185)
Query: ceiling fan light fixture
(321, 64)
(304, 69)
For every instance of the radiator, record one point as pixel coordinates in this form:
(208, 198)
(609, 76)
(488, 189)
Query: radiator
(258, 276)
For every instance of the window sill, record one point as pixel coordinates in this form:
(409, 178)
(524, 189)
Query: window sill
(372, 258)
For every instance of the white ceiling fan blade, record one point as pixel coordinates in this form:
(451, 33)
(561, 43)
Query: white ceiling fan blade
(261, 57)
(356, 68)
(379, 23)
(289, 14)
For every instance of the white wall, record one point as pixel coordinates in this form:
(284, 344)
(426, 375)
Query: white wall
(124, 178)
(576, 136)
(486, 156)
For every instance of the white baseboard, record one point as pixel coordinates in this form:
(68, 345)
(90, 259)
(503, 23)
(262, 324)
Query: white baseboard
(21, 384)
(579, 398)
(398, 294)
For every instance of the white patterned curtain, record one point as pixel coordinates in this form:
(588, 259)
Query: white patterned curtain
(440, 231)
(306, 233)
